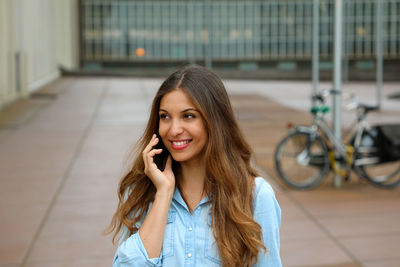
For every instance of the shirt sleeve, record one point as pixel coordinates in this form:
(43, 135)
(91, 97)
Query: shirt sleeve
(132, 253)
(268, 214)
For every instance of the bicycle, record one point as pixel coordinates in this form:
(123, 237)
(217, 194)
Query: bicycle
(307, 154)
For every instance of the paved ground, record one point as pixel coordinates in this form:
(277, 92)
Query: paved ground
(62, 152)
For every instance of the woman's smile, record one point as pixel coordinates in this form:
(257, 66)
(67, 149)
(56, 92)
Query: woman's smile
(180, 144)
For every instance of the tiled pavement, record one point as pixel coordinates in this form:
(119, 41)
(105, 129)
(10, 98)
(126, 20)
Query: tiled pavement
(62, 153)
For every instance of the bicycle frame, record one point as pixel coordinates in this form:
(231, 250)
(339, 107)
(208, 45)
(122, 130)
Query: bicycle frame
(320, 123)
(342, 149)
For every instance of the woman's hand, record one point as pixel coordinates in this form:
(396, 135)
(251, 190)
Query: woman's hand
(164, 181)
(152, 230)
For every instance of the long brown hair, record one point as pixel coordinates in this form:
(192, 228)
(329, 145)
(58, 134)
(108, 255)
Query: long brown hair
(230, 177)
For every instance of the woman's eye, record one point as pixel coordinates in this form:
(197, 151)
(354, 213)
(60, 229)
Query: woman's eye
(189, 116)
(164, 116)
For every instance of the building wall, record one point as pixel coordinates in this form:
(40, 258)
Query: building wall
(36, 38)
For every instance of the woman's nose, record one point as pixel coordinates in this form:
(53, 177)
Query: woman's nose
(176, 128)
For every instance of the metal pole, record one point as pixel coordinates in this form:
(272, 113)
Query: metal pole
(379, 53)
(337, 79)
(345, 43)
(315, 58)
(208, 34)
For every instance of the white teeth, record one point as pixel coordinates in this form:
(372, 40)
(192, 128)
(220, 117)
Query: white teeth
(180, 143)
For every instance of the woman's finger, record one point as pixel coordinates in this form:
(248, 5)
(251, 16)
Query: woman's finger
(147, 159)
(154, 152)
(154, 140)
(148, 156)
(149, 148)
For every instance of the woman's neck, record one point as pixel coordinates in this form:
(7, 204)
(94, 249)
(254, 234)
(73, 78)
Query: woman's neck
(191, 183)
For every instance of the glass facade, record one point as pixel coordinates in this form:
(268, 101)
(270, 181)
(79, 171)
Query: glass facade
(162, 31)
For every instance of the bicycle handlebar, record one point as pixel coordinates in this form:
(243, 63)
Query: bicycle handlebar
(322, 95)
(363, 109)
(318, 97)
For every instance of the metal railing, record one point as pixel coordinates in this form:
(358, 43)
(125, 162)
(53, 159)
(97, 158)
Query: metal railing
(154, 31)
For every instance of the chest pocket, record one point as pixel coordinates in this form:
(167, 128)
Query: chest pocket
(169, 233)
(211, 247)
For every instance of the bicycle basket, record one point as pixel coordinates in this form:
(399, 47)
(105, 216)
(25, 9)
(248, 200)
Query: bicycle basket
(389, 139)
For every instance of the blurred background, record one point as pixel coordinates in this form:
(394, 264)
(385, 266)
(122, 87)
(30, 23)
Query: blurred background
(77, 78)
(260, 39)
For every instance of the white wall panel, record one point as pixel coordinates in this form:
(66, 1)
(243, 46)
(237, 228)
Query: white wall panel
(43, 35)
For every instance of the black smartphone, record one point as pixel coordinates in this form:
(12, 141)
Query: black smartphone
(161, 159)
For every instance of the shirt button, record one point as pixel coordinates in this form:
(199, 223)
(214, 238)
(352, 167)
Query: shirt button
(190, 229)
(189, 255)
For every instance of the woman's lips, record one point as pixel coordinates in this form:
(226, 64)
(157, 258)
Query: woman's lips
(180, 144)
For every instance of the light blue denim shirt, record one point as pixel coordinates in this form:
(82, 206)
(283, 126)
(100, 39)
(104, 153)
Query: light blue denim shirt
(188, 239)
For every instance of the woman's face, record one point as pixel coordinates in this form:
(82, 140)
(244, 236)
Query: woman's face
(181, 127)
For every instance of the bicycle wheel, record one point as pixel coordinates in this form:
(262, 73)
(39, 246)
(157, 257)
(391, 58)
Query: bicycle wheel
(302, 160)
(383, 175)
(372, 163)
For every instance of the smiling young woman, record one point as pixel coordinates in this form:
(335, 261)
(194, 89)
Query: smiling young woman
(191, 197)
(181, 127)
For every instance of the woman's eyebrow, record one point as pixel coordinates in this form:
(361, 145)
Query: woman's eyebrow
(183, 111)
(189, 109)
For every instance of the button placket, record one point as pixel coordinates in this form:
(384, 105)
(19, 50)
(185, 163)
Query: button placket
(190, 242)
